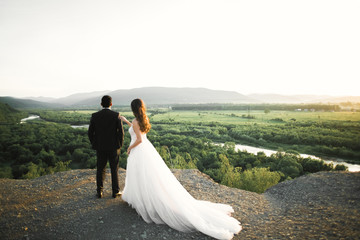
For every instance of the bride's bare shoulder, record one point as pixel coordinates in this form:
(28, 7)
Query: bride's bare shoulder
(135, 122)
(136, 126)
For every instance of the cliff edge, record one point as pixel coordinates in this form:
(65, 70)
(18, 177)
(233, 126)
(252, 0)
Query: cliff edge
(324, 205)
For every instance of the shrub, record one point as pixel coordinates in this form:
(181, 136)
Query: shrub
(341, 167)
(5, 172)
(257, 179)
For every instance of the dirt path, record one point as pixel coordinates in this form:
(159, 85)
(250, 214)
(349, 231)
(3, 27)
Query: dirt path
(63, 206)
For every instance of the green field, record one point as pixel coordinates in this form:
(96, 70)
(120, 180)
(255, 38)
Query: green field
(235, 117)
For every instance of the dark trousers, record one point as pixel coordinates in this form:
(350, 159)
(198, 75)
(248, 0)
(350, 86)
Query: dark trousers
(102, 158)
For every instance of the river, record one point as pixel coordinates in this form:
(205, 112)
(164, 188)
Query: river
(249, 149)
(33, 117)
(255, 150)
(80, 126)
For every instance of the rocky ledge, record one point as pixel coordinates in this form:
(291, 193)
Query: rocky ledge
(324, 205)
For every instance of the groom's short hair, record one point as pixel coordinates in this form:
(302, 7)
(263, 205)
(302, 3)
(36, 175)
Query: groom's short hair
(106, 101)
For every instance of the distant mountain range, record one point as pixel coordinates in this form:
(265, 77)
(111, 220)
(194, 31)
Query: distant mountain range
(167, 96)
(277, 98)
(20, 103)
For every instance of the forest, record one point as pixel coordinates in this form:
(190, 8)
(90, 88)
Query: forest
(187, 139)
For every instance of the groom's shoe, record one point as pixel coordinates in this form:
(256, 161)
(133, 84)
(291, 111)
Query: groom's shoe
(118, 194)
(99, 194)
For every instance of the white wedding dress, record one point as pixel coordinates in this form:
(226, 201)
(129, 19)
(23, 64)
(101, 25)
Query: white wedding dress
(156, 194)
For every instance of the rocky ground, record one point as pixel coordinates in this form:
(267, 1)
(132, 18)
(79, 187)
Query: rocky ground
(324, 205)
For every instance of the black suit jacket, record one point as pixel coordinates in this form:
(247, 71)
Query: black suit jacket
(106, 131)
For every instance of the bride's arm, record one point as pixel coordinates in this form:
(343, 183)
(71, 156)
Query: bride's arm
(137, 131)
(125, 120)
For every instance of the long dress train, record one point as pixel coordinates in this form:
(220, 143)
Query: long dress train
(156, 194)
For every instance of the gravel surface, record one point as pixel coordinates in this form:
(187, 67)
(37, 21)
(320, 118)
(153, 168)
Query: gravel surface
(63, 205)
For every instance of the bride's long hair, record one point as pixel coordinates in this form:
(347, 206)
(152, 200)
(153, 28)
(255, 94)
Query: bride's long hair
(139, 110)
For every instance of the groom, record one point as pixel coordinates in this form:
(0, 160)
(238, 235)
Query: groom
(106, 135)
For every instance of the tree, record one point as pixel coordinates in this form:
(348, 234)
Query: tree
(5, 172)
(258, 179)
(33, 171)
(227, 173)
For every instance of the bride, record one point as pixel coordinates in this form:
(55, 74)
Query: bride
(156, 194)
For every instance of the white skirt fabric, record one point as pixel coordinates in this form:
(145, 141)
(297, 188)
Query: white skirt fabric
(156, 194)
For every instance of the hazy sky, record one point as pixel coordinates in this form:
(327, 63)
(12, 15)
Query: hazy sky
(55, 48)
